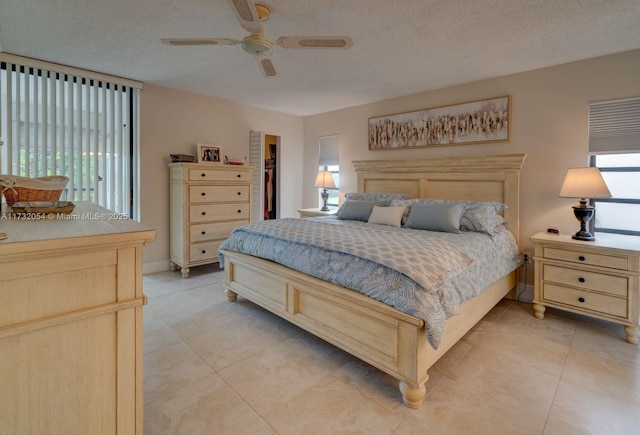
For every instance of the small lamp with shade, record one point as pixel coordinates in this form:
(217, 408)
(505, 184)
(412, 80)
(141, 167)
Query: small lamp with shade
(584, 183)
(324, 180)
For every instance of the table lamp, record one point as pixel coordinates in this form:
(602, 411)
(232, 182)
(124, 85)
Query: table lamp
(584, 183)
(324, 180)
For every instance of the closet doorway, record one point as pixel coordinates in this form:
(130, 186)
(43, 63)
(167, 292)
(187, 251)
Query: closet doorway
(264, 155)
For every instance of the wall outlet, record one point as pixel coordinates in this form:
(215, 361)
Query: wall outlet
(526, 258)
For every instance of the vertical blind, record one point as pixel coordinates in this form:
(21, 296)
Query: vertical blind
(56, 123)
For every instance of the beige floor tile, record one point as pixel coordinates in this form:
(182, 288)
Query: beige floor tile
(578, 409)
(208, 406)
(606, 339)
(157, 334)
(332, 406)
(278, 373)
(506, 381)
(171, 368)
(453, 408)
(603, 374)
(406, 429)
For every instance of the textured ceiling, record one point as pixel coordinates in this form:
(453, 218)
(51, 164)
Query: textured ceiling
(400, 47)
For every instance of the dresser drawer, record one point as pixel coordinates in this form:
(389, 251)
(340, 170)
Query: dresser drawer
(615, 285)
(204, 251)
(199, 194)
(581, 257)
(216, 175)
(585, 300)
(217, 230)
(218, 212)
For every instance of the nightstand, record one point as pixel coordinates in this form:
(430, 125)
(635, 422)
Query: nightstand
(311, 212)
(597, 279)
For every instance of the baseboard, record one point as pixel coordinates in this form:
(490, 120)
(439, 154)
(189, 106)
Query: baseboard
(155, 267)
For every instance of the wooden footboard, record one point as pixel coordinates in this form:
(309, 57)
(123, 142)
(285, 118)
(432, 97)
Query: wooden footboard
(388, 339)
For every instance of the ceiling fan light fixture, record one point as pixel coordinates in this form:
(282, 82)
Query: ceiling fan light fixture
(257, 44)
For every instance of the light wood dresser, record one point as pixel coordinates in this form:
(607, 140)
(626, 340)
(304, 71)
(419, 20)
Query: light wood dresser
(598, 279)
(207, 202)
(71, 324)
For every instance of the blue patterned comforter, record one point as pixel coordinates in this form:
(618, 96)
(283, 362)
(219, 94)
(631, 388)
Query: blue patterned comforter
(422, 273)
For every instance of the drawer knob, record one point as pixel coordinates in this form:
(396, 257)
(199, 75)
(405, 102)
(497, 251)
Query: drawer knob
(239, 211)
(581, 258)
(203, 194)
(203, 175)
(204, 232)
(204, 252)
(204, 213)
(239, 193)
(581, 279)
(239, 175)
(581, 299)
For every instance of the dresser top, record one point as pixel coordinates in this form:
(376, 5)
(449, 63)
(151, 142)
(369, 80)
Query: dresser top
(87, 221)
(602, 241)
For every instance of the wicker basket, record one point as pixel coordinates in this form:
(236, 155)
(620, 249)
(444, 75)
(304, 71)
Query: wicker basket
(24, 189)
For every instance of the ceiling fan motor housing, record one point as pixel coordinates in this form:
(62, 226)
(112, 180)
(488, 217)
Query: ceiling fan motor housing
(257, 44)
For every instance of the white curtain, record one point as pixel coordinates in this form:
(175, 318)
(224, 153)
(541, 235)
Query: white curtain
(57, 123)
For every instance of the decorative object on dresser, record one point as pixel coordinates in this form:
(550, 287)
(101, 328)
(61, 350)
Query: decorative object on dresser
(584, 183)
(211, 154)
(324, 180)
(475, 122)
(25, 189)
(206, 204)
(176, 158)
(71, 324)
(312, 212)
(597, 279)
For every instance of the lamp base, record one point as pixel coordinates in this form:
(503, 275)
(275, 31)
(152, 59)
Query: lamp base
(583, 213)
(325, 196)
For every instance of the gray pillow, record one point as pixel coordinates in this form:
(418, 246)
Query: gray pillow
(358, 210)
(386, 197)
(436, 216)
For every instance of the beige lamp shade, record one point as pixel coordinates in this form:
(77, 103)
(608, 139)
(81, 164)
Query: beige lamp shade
(584, 183)
(324, 180)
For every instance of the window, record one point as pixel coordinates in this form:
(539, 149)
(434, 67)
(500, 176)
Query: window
(60, 123)
(619, 214)
(329, 161)
(614, 145)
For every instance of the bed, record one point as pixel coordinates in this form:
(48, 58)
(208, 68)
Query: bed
(391, 340)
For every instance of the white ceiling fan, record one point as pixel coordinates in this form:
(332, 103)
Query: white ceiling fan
(250, 16)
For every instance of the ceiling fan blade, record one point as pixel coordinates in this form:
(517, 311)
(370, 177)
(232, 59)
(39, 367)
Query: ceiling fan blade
(247, 15)
(335, 42)
(266, 65)
(199, 41)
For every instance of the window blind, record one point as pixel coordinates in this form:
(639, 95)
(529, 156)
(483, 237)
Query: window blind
(328, 151)
(614, 126)
(53, 123)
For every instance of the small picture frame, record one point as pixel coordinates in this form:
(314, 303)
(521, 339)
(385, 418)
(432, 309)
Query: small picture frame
(208, 153)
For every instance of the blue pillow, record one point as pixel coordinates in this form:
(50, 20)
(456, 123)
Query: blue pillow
(358, 210)
(436, 216)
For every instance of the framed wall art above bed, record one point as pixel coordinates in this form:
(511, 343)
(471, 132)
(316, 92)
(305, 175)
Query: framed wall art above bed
(379, 334)
(467, 123)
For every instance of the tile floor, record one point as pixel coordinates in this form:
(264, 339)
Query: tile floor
(214, 367)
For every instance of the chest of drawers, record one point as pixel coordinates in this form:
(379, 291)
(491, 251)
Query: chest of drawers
(207, 202)
(598, 279)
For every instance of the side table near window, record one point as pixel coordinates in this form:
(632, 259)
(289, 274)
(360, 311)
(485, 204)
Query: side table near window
(311, 212)
(597, 279)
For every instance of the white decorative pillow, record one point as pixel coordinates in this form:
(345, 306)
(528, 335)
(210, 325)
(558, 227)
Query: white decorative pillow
(386, 216)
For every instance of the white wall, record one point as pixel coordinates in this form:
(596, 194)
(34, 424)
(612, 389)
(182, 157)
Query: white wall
(173, 122)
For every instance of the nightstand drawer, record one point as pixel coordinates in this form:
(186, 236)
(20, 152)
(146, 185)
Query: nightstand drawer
(217, 230)
(204, 251)
(218, 212)
(199, 194)
(580, 257)
(585, 300)
(615, 285)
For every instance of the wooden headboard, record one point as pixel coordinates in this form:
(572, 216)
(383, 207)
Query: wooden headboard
(479, 178)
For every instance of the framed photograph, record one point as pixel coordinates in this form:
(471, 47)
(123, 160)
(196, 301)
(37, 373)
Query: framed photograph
(481, 121)
(208, 153)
